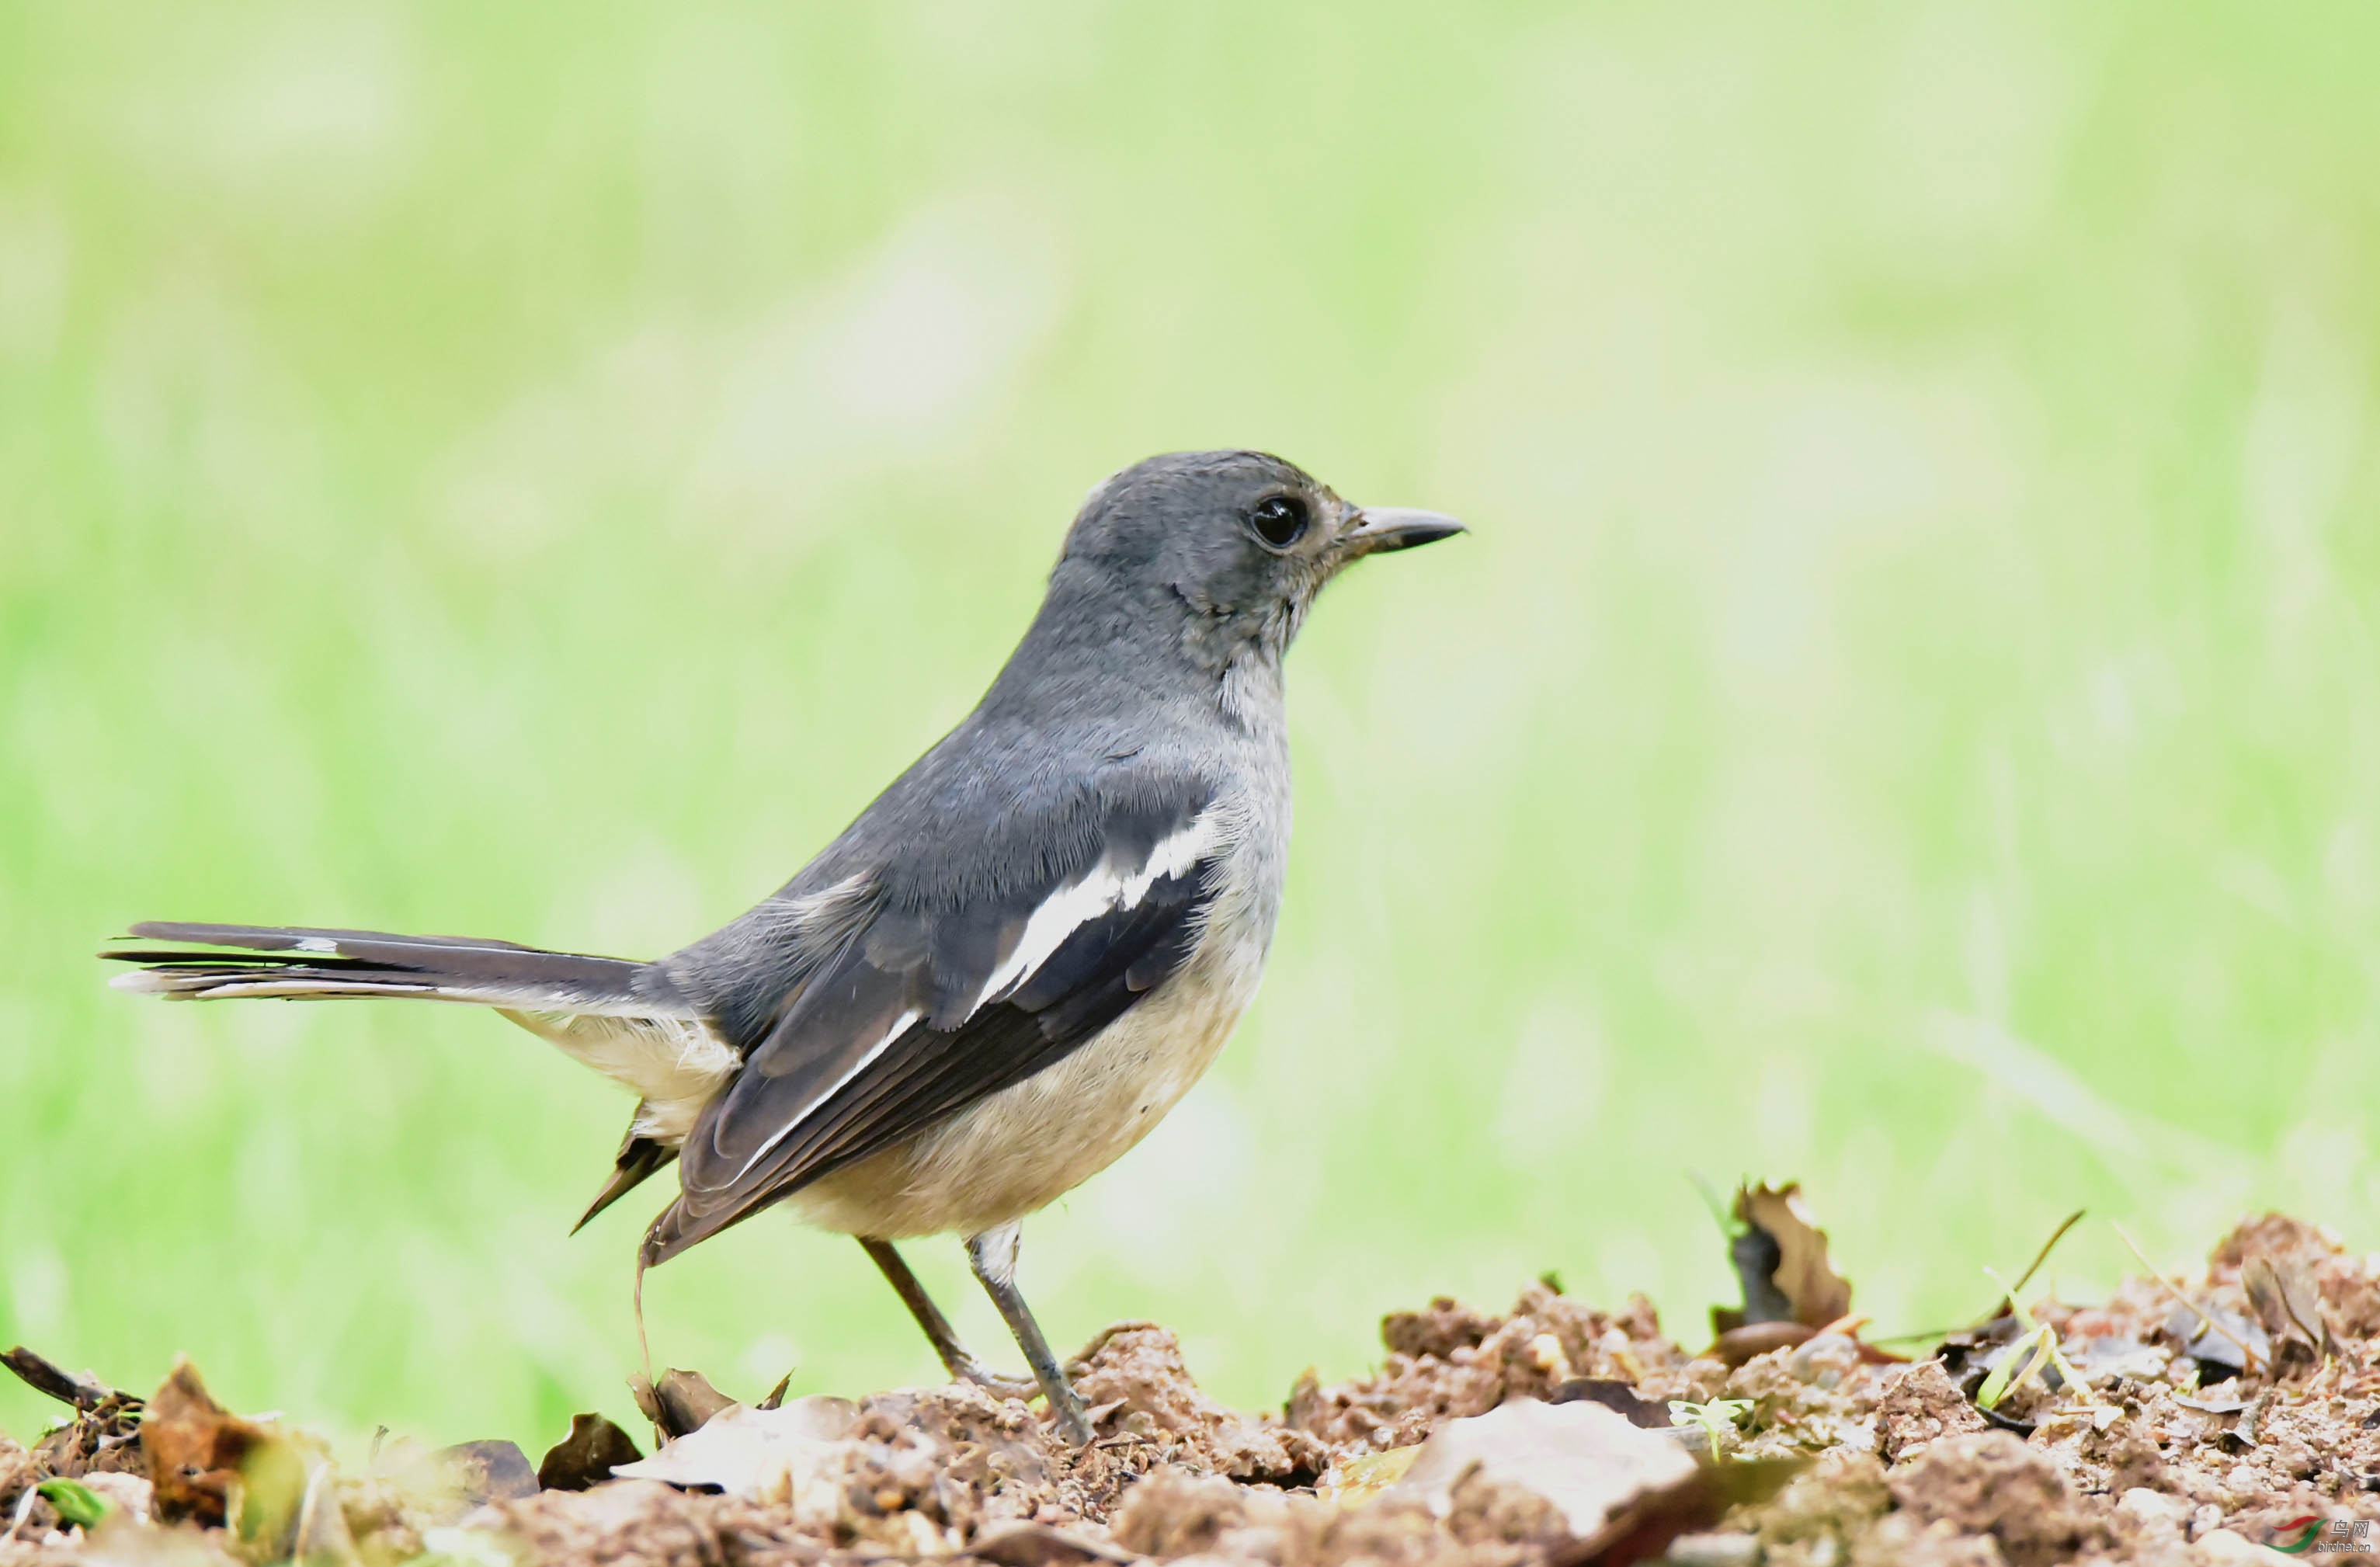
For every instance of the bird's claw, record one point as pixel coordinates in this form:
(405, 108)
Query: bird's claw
(997, 1383)
(1071, 1421)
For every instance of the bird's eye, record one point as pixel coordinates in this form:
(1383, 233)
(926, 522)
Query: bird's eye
(1278, 520)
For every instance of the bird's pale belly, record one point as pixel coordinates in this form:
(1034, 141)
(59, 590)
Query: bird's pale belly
(1028, 1145)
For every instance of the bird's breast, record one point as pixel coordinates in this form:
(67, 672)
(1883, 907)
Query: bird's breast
(1020, 1149)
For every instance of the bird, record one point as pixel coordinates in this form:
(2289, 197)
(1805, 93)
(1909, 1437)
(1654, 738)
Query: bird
(1004, 972)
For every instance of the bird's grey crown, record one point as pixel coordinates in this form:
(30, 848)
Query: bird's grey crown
(1139, 515)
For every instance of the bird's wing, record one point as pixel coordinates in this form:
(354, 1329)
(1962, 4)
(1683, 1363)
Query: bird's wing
(935, 1002)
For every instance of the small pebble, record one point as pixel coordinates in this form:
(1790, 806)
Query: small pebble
(1826, 1360)
(2221, 1547)
(1714, 1550)
(2150, 1506)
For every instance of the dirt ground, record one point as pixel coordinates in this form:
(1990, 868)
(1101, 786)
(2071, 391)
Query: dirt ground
(2229, 1417)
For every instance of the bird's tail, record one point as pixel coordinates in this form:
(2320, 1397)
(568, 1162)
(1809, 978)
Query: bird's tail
(296, 963)
(628, 1020)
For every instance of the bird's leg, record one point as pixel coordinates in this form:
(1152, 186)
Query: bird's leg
(994, 1256)
(956, 1358)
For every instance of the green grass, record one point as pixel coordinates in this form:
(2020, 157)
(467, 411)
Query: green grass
(1905, 717)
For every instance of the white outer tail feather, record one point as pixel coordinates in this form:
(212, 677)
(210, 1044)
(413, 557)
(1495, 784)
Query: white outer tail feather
(665, 1054)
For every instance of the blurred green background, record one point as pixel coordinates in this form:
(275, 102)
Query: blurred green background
(1905, 717)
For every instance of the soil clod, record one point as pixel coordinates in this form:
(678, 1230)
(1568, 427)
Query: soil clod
(2191, 1420)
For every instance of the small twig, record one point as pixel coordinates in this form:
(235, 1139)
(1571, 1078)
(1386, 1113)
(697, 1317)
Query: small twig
(2248, 1354)
(2008, 1306)
(2042, 1255)
(1709, 1194)
(637, 1300)
(46, 1377)
(1936, 1334)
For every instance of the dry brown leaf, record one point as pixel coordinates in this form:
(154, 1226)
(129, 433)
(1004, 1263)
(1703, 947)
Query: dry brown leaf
(210, 1467)
(195, 1448)
(485, 1471)
(1643, 1532)
(1586, 1459)
(1805, 1275)
(584, 1457)
(679, 1402)
(2288, 1300)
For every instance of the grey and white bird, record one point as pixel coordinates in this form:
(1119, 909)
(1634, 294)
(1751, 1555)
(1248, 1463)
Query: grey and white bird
(1006, 970)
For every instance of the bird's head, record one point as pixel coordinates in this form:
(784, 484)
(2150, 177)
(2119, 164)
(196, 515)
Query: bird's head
(1236, 543)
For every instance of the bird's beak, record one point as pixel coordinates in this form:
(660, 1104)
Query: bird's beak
(1375, 529)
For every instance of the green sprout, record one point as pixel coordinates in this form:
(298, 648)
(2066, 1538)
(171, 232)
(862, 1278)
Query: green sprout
(77, 1503)
(2036, 1348)
(1717, 1419)
(2022, 1359)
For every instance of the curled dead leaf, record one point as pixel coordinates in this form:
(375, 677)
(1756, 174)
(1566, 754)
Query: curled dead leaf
(1805, 1275)
(1781, 1261)
(210, 1467)
(1644, 1531)
(195, 1448)
(2289, 1303)
(679, 1401)
(586, 1457)
(485, 1471)
(1652, 1413)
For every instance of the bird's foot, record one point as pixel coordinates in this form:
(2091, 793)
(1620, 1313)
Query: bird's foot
(1065, 1411)
(999, 1384)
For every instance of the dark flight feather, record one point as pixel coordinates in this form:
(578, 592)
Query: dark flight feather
(834, 1081)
